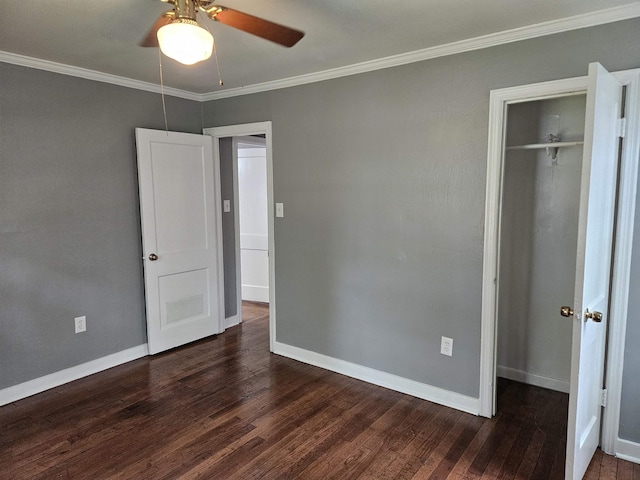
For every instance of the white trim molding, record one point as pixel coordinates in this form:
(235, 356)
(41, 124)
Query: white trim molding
(621, 276)
(586, 20)
(627, 450)
(37, 385)
(499, 99)
(39, 64)
(532, 379)
(382, 379)
(236, 224)
(255, 293)
(232, 321)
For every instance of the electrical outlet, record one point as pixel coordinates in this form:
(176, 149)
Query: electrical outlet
(81, 324)
(446, 346)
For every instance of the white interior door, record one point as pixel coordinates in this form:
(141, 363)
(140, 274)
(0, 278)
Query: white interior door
(593, 267)
(181, 234)
(253, 213)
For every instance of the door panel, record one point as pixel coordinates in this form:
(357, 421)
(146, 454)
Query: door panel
(179, 198)
(180, 225)
(595, 236)
(185, 297)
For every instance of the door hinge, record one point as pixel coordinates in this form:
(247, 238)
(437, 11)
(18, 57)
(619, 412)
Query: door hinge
(622, 127)
(603, 397)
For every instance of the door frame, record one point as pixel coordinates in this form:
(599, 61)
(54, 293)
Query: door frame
(628, 176)
(243, 130)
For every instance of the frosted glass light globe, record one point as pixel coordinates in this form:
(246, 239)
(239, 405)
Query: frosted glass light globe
(185, 41)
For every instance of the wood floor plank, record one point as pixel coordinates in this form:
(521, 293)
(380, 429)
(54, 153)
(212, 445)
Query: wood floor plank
(593, 471)
(609, 467)
(355, 420)
(226, 408)
(279, 458)
(530, 459)
(419, 450)
(625, 471)
(492, 443)
(440, 462)
(499, 457)
(516, 454)
(391, 461)
(464, 461)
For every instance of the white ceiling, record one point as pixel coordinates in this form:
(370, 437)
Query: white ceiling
(104, 35)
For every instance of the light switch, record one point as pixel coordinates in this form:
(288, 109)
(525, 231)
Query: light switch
(226, 207)
(279, 209)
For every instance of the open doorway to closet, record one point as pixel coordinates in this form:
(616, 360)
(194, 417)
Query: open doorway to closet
(538, 240)
(530, 202)
(539, 234)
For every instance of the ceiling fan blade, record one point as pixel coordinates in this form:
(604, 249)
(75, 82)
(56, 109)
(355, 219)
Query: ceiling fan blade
(279, 34)
(151, 39)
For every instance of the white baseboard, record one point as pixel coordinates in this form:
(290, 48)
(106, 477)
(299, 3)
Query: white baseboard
(532, 379)
(255, 293)
(383, 379)
(627, 450)
(37, 385)
(232, 321)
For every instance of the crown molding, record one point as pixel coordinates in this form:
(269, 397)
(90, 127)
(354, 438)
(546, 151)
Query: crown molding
(63, 69)
(586, 20)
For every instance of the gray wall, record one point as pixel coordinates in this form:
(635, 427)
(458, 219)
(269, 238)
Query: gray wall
(69, 218)
(228, 228)
(383, 180)
(538, 242)
(630, 407)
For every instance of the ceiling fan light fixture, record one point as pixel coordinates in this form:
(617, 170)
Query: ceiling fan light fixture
(185, 41)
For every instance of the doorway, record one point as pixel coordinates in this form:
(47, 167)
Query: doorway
(537, 252)
(228, 143)
(603, 127)
(538, 239)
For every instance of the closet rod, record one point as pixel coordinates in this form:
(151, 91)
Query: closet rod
(535, 146)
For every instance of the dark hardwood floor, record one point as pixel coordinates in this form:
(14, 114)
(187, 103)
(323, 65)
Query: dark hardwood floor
(225, 408)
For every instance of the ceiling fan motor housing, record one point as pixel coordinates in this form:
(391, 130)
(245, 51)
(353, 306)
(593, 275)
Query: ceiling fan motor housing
(184, 13)
(185, 9)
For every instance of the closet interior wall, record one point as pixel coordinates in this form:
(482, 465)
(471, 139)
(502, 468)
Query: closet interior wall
(539, 225)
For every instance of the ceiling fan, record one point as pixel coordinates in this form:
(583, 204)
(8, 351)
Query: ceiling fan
(180, 36)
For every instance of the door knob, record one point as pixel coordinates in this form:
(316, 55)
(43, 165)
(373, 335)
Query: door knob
(153, 257)
(566, 311)
(595, 316)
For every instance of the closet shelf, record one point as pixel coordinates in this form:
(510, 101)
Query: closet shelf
(535, 146)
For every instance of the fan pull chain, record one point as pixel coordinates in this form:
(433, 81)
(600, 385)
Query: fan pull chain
(215, 51)
(215, 56)
(164, 106)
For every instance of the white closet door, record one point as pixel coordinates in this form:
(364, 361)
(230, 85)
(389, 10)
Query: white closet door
(593, 267)
(180, 236)
(254, 238)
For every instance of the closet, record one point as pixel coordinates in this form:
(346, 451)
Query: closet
(538, 239)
